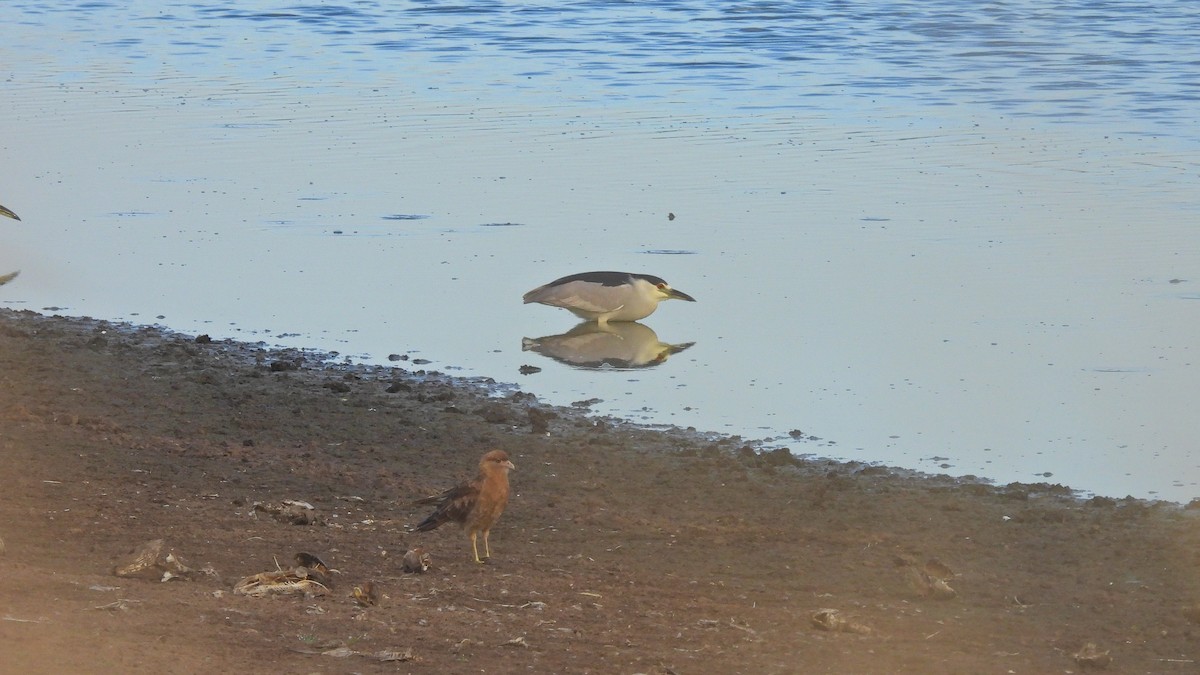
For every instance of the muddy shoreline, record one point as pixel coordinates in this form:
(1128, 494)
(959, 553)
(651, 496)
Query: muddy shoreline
(624, 549)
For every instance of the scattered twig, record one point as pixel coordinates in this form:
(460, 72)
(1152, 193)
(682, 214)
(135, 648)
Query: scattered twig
(7, 617)
(518, 641)
(118, 605)
(748, 629)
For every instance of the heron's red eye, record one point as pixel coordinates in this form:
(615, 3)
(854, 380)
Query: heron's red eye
(661, 286)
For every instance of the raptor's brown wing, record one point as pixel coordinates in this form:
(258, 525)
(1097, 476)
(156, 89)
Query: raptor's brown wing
(453, 506)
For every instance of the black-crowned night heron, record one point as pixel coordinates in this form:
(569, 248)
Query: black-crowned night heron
(607, 296)
(5, 278)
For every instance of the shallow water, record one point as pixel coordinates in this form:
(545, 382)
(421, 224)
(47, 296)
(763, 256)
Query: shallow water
(957, 239)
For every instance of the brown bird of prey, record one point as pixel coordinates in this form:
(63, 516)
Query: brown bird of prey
(475, 504)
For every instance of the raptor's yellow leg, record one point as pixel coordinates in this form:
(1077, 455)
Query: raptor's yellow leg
(475, 548)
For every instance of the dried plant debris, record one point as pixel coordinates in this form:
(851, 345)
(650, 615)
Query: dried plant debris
(310, 561)
(833, 621)
(365, 594)
(298, 581)
(518, 641)
(290, 511)
(317, 569)
(930, 580)
(939, 570)
(1089, 657)
(393, 655)
(464, 644)
(154, 559)
(384, 656)
(416, 561)
(118, 605)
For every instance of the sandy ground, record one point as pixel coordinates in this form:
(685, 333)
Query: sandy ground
(623, 550)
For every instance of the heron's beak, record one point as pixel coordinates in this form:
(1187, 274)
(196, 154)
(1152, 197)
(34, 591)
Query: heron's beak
(6, 212)
(679, 295)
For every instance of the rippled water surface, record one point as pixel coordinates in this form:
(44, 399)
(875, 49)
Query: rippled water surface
(955, 237)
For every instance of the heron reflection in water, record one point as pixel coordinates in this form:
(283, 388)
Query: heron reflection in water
(619, 345)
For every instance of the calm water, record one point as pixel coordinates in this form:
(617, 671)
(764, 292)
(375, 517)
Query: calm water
(956, 237)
